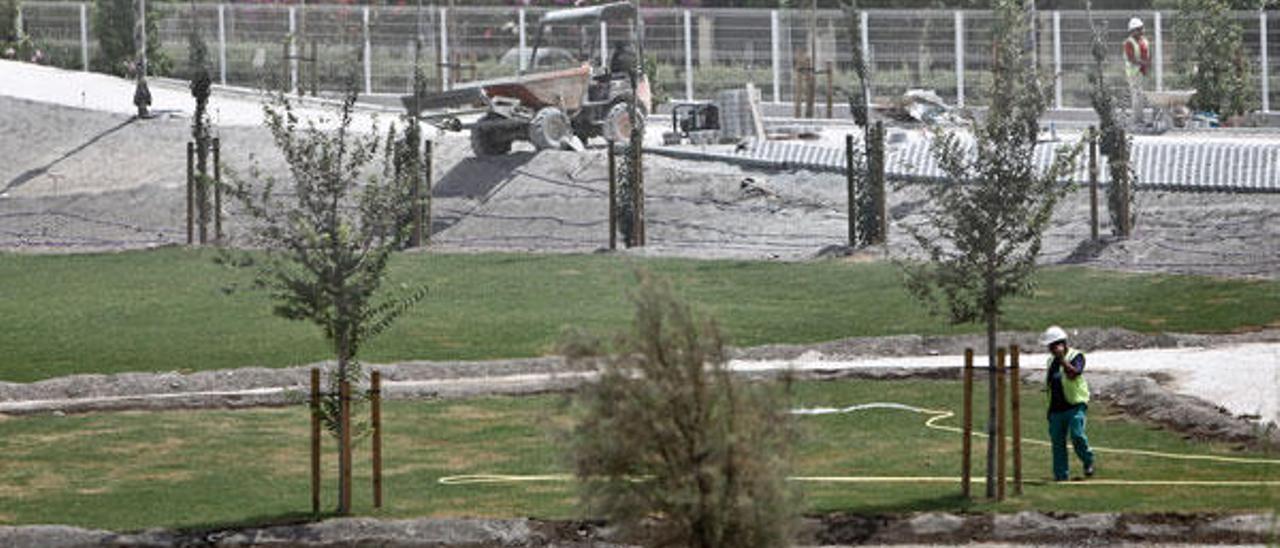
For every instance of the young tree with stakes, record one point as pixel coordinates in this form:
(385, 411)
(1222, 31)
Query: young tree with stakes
(328, 240)
(1114, 141)
(983, 228)
(201, 86)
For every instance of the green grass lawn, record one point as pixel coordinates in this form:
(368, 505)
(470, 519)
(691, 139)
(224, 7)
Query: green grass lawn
(175, 309)
(134, 470)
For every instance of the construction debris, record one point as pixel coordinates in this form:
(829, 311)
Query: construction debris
(740, 114)
(925, 106)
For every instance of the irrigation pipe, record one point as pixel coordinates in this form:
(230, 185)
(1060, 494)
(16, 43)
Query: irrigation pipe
(935, 416)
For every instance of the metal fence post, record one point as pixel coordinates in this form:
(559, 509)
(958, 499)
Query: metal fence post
(1262, 42)
(1057, 59)
(222, 43)
(867, 54)
(368, 53)
(775, 44)
(17, 21)
(959, 58)
(85, 36)
(688, 56)
(293, 49)
(444, 49)
(1159, 53)
(524, 63)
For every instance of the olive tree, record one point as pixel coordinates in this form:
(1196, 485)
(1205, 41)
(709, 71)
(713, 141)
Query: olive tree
(984, 226)
(328, 237)
(667, 431)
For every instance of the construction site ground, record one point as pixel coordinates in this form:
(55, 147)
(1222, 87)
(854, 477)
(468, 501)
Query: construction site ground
(80, 175)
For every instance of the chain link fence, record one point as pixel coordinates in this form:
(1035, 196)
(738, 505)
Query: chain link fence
(697, 51)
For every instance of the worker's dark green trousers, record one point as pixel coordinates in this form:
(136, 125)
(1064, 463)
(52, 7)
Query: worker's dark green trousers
(1061, 424)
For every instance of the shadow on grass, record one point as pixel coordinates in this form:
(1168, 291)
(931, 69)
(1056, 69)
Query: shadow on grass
(954, 502)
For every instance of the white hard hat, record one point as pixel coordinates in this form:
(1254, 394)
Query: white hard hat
(1135, 23)
(1052, 335)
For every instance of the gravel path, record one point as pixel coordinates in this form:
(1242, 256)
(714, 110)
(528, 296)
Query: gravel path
(84, 177)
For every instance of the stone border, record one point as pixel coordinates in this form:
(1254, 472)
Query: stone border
(832, 529)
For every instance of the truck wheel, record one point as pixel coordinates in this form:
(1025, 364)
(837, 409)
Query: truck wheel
(549, 128)
(487, 142)
(617, 123)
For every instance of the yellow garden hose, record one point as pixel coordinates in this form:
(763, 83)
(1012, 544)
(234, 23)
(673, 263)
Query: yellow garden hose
(934, 417)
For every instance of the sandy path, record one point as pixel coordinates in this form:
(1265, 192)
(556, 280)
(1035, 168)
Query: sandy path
(1244, 379)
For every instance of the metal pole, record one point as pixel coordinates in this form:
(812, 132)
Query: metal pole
(966, 459)
(293, 50)
(1159, 61)
(444, 49)
(524, 63)
(604, 43)
(1057, 59)
(775, 39)
(866, 52)
(1015, 406)
(688, 56)
(960, 59)
(85, 36)
(142, 18)
(368, 54)
(222, 43)
(1262, 43)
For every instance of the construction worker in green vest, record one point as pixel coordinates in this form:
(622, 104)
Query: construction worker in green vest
(1137, 62)
(1068, 402)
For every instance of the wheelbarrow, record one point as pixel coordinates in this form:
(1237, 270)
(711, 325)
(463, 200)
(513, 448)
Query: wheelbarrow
(1169, 108)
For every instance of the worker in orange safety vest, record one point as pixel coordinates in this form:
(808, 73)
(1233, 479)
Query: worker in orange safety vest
(1137, 62)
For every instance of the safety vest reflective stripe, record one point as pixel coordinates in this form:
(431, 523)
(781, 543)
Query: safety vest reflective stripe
(1076, 390)
(1138, 47)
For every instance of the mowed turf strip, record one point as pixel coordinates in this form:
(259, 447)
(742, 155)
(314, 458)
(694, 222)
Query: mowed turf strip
(175, 309)
(194, 469)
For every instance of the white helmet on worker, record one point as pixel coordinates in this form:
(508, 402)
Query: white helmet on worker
(1052, 335)
(1135, 23)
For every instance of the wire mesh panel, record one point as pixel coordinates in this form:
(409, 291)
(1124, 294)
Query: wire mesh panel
(1273, 59)
(394, 32)
(730, 49)
(256, 37)
(330, 42)
(1077, 56)
(54, 29)
(485, 41)
(913, 50)
(176, 23)
(727, 48)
